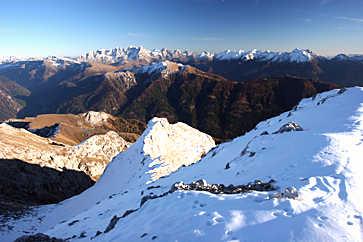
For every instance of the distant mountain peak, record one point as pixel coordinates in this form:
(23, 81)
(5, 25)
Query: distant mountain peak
(157, 67)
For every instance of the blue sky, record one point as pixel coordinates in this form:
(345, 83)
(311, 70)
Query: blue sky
(72, 27)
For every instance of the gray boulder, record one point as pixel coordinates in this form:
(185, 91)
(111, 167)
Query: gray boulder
(290, 126)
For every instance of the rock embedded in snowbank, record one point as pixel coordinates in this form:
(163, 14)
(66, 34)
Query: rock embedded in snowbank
(291, 126)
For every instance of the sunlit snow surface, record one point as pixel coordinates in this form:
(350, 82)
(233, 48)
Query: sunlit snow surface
(324, 162)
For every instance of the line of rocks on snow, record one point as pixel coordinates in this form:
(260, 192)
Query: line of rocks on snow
(202, 185)
(199, 185)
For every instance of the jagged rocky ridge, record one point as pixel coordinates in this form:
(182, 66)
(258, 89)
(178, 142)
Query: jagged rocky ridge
(137, 53)
(316, 172)
(48, 170)
(91, 156)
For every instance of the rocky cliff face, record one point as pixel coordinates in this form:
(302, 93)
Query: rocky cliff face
(23, 185)
(91, 156)
(96, 152)
(35, 170)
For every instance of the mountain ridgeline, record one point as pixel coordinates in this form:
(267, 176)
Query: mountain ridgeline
(218, 106)
(224, 94)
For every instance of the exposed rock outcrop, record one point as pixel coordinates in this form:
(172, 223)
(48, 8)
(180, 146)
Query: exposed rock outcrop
(171, 146)
(202, 185)
(96, 118)
(91, 156)
(291, 126)
(38, 238)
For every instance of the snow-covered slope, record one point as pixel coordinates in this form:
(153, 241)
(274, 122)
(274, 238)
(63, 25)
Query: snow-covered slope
(163, 67)
(315, 171)
(161, 150)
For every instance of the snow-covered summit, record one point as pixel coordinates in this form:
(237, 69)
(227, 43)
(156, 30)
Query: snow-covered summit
(121, 55)
(297, 55)
(60, 61)
(162, 149)
(49, 62)
(164, 67)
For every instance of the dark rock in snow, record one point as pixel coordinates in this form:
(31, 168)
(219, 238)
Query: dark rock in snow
(98, 233)
(252, 154)
(38, 238)
(291, 126)
(112, 224)
(342, 90)
(202, 185)
(82, 235)
(264, 133)
(73, 222)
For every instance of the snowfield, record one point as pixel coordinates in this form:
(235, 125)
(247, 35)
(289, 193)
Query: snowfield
(133, 200)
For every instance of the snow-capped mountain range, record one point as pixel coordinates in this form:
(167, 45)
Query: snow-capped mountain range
(295, 177)
(120, 55)
(139, 53)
